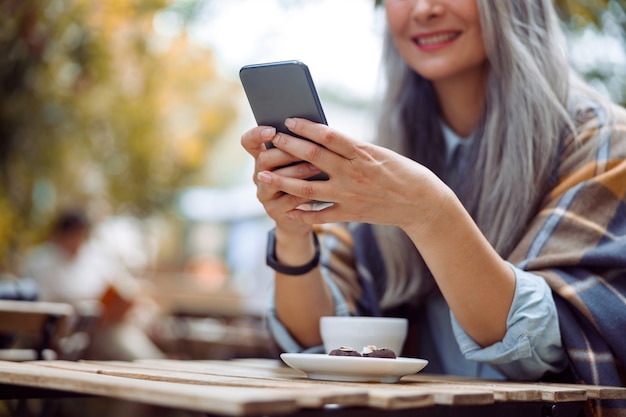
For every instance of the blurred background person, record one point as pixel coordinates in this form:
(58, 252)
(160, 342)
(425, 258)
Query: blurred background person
(71, 267)
(67, 267)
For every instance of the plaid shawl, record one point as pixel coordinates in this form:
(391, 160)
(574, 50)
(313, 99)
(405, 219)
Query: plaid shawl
(577, 242)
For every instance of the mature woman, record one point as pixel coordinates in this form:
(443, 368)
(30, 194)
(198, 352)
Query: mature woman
(491, 213)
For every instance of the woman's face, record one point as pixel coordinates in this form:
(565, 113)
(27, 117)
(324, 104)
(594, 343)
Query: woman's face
(439, 39)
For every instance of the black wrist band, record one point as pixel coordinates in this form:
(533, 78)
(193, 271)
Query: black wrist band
(273, 263)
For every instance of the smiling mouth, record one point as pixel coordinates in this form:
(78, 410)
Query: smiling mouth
(436, 39)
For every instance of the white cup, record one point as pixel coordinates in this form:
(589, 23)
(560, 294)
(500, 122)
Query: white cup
(357, 332)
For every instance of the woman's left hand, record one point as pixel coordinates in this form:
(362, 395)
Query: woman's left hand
(367, 183)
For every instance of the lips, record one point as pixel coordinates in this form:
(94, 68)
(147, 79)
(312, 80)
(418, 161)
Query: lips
(435, 39)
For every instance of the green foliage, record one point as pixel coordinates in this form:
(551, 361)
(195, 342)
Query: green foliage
(580, 13)
(98, 110)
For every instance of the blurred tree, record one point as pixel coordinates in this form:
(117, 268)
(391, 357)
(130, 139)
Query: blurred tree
(98, 109)
(597, 35)
(586, 9)
(580, 13)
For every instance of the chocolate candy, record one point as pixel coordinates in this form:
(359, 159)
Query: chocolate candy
(371, 351)
(382, 353)
(344, 351)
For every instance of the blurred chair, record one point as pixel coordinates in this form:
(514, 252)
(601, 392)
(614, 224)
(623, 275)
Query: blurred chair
(38, 330)
(33, 330)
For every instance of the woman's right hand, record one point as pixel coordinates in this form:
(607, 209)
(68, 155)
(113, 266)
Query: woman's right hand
(299, 302)
(294, 243)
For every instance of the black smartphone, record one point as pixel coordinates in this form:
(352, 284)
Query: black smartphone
(279, 90)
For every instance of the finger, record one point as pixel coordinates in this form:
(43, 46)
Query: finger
(254, 140)
(323, 135)
(274, 158)
(309, 151)
(276, 203)
(300, 170)
(307, 190)
(269, 188)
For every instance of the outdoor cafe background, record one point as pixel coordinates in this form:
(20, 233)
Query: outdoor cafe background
(133, 111)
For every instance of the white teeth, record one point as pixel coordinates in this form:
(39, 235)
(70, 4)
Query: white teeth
(436, 39)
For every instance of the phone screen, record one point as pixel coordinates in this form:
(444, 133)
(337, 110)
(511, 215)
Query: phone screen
(279, 90)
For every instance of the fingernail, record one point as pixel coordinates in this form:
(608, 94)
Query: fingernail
(277, 137)
(265, 177)
(268, 132)
(290, 123)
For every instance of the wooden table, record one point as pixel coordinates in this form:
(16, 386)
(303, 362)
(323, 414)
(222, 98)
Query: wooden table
(209, 325)
(179, 295)
(263, 387)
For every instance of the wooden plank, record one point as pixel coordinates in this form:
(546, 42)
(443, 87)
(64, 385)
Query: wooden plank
(385, 399)
(29, 317)
(562, 394)
(336, 393)
(603, 392)
(18, 355)
(399, 395)
(305, 394)
(504, 390)
(44, 307)
(219, 366)
(231, 401)
(389, 397)
(512, 391)
(376, 396)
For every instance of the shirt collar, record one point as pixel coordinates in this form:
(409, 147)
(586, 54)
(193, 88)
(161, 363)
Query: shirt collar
(453, 140)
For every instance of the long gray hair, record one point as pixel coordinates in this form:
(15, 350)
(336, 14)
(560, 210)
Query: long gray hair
(513, 158)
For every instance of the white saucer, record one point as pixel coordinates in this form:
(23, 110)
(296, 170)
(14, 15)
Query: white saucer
(351, 368)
